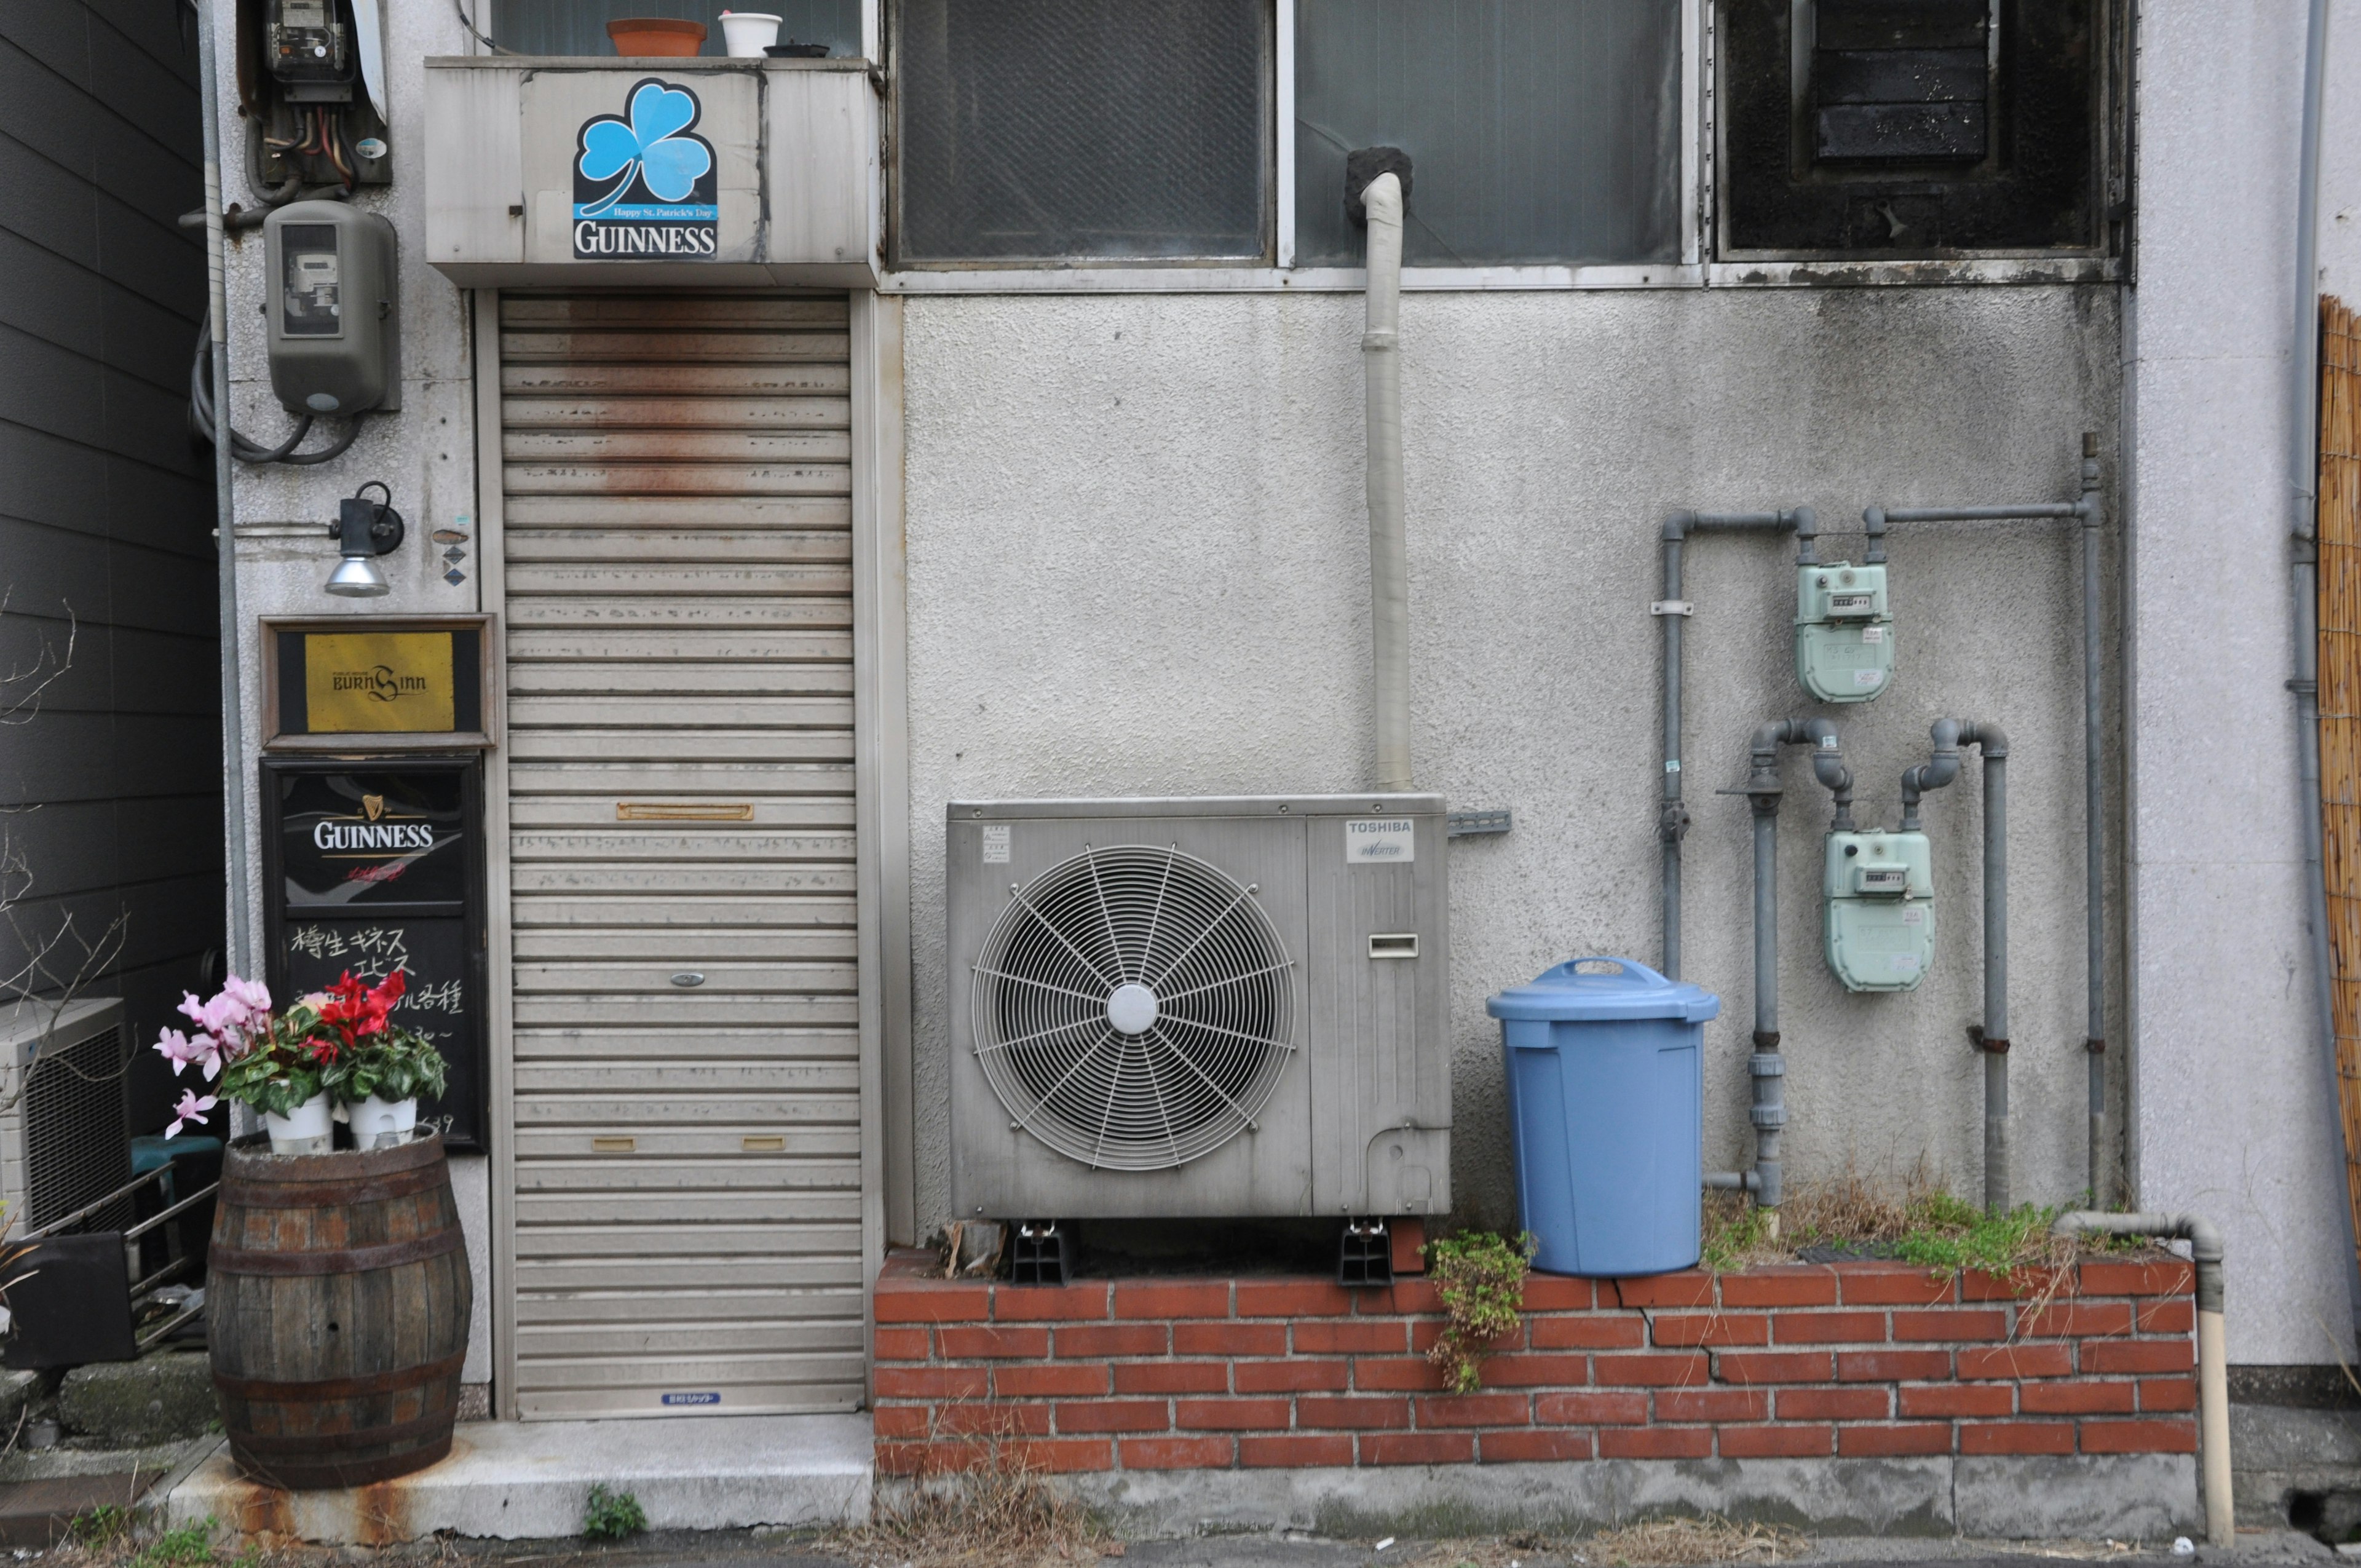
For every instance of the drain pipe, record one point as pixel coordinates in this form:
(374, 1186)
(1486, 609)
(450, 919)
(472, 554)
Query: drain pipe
(1379, 177)
(2090, 514)
(2212, 1356)
(1992, 1038)
(2303, 524)
(1673, 816)
(1767, 1068)
(241, 940)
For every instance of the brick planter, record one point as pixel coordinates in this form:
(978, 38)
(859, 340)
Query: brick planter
(1857, 1361)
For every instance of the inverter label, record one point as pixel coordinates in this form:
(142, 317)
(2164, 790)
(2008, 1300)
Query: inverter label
(1379, 838)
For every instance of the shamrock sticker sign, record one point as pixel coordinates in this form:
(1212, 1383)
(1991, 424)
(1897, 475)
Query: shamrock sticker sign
(643, 180)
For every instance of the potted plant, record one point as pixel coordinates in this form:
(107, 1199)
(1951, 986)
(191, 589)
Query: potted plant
(378, 1079)
(284, 1063)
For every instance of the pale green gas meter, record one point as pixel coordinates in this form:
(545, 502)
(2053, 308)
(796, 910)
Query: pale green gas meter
(1844, 634)
(1881, 909)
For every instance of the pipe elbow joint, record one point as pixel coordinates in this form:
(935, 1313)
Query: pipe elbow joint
(1988, 738)
(1806, 523)
(1677, 525)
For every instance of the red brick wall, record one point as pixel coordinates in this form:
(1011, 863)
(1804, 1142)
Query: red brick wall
(1855, 1359)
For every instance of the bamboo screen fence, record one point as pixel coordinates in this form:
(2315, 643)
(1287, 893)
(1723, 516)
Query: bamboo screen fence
(2339, 701)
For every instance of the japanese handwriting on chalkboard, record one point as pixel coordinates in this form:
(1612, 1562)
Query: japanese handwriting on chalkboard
(435, 997)
(374, 951)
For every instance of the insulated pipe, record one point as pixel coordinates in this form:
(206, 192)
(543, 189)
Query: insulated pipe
(2212, 1361)
(241, 940)
(1673, 816)
(2087, 511)
(1388, 549)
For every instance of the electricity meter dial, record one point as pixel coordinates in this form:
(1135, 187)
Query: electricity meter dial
(334, 332)
(1878, 894)
(310, 51)
(1844, 633)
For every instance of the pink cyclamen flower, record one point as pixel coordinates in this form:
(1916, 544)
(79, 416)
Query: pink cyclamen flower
(192, 1108)
(251, 994)
(182, 1051)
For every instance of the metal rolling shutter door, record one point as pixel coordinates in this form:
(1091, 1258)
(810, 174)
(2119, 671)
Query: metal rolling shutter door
(679, 561)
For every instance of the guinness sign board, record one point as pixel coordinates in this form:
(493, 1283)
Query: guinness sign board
(377, 683)
(377, 866)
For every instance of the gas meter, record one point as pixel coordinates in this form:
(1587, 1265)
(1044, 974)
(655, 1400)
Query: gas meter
(1881, 909)
(1844, 636)
(333, 319)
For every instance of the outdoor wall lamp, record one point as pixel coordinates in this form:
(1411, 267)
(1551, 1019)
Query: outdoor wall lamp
(364, 530)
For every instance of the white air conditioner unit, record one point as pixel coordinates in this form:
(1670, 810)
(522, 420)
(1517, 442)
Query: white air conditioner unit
(1198, 1007)
(65, 1125)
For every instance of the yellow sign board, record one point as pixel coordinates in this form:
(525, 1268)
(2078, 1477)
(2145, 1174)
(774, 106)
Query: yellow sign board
(363, 683)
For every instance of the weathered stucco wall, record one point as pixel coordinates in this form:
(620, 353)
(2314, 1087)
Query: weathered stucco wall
(2236, 1116)
(1137, 565)
(424, 454)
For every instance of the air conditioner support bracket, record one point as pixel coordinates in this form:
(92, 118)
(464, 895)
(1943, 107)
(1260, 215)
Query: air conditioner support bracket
(1041, 1253)
(1365, 1254)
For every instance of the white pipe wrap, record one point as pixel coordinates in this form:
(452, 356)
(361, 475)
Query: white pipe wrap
(1389, 547)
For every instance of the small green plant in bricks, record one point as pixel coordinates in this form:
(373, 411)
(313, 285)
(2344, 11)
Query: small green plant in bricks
(1481, 1278)
(611, 1516)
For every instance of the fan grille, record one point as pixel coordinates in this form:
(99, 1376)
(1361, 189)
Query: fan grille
(1133, 1008)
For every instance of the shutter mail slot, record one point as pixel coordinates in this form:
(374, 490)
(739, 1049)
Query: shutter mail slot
(1394, 945)
(683, 811)
(771, 1143)
(613, 1146)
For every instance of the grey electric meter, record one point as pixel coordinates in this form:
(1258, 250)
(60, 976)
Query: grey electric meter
(333, 323)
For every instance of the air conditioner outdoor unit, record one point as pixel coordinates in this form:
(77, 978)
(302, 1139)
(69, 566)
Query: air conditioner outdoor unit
(1198, 1007)
(65, 1125)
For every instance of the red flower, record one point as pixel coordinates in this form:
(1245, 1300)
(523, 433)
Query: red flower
(354, 1013)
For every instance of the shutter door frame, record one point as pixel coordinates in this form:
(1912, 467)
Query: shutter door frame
(880, 799)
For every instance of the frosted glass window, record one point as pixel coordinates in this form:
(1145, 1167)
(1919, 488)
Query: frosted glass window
(1539, 131)
(580, 26)
(1079, 130)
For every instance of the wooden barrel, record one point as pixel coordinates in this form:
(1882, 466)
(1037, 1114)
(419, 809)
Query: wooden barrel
(337, 1296)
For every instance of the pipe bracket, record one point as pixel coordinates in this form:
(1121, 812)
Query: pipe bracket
(1766, 1043)
(2097, 1048)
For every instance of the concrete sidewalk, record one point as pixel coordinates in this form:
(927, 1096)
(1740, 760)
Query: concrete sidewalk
(529, 1481)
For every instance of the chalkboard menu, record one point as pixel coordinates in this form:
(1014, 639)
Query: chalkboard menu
(377, 866)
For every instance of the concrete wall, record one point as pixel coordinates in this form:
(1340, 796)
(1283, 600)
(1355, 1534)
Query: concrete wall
(109, 777)
(2234, 1115)
(425, 454)
(1137, 565)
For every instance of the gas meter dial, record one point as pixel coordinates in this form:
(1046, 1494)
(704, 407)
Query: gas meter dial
(1844, 633)
(1880, 909)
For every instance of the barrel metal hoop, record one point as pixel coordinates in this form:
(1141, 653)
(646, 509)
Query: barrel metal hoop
(345, 1441)
(242, 1193)
(306, 1475)
(351, 1260)
(252, 1162)
(391, 1382)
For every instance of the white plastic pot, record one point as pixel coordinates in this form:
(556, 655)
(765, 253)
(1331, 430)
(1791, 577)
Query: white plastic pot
(747, 33)
(381, 1123)
(310, 1128)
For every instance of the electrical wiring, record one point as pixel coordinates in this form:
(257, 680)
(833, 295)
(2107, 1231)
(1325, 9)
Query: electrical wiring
(201, 412)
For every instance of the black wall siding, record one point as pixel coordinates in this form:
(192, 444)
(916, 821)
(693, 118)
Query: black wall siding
(107, 505)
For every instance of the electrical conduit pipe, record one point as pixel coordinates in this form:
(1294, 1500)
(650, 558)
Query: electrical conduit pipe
(1381, 201)
(2213, 1354)
(1672, 817)
(1936, 772)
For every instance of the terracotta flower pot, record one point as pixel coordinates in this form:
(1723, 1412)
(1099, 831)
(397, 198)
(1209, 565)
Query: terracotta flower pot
(642, 35)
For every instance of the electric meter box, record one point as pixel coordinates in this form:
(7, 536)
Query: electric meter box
(333, 309)
(1844, 633)
(1880, 909)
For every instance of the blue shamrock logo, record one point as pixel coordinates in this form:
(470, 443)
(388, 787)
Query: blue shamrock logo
(652, 146)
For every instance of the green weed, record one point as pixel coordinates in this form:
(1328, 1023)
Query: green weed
(97, 1528)
(190, 1546)
(1481, 1278)
(611, 1516)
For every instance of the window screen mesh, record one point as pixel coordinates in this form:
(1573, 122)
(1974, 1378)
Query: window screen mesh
(580, 26)
(1081, 129)
(1539, 131)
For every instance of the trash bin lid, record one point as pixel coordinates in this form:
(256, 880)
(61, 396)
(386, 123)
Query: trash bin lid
(1604, 989)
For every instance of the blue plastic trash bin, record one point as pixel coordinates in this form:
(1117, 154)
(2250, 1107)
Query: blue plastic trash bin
(1607, 1101)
